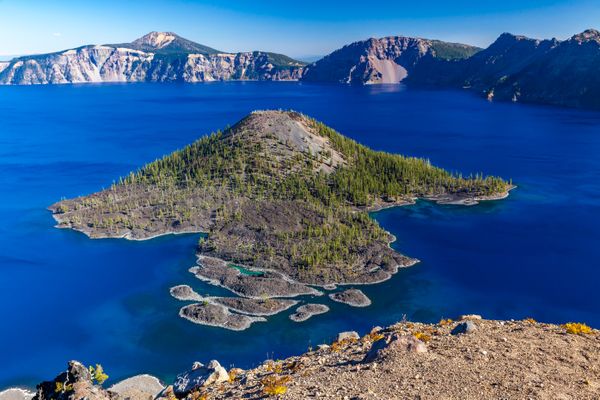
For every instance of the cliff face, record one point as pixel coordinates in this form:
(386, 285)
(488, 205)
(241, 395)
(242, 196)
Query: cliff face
(157, 57)
(385, 60)
(521, 69)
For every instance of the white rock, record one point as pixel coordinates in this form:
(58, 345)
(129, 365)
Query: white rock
(352, 335)
(200, 376)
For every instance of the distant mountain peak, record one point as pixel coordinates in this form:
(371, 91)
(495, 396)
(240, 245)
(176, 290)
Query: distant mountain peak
(587, 35)
(156, 40)
(167, 43)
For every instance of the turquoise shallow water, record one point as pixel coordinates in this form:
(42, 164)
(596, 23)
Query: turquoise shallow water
(63, 296)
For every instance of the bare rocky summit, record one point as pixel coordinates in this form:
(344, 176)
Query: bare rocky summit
(497, 360)
(385, 60)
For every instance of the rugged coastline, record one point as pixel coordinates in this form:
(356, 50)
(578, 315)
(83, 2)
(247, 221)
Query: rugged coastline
(283, 201)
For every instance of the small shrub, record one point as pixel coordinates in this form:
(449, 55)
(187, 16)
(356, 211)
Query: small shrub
(445, 322)
(233, 374)
(530, 320)
(577, 328)
(373, 337)
(98, 374)
(338, 345)
(62, 388)
(274, 385)
(61, 209)
(274, 367)
(422, 336)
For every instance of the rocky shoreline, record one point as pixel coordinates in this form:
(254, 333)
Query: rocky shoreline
(254, 290)
(470, 358)
(274, 245)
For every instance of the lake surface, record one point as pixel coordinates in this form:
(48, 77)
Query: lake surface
(63, 296)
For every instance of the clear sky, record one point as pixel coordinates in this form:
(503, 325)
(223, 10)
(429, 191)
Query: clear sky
(298, 28)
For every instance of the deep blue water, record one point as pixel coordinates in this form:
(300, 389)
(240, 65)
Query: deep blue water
(63, 296)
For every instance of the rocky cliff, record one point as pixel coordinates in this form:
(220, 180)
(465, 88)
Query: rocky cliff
(156, 57)
(385, 60)
(513, 68)
(517, 68)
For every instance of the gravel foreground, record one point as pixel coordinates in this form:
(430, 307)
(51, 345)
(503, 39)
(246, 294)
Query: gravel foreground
(466, 359)
(496, 360)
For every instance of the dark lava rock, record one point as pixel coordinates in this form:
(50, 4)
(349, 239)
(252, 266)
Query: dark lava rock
(217, 315)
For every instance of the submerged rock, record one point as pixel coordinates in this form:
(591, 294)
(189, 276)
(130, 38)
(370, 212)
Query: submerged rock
(217, 315)
(199, 376)
(352, 297)
(308, 310)
(269, 284)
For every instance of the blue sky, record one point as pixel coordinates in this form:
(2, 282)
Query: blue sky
(297, 28)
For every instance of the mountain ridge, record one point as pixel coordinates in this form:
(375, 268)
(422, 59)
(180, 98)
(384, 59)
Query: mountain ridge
(513, 68)
(520, 69)
(154, 57)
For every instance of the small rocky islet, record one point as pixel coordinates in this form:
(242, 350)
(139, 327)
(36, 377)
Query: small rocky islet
(352, 297)
(284, 202)
(470, 358)
(306, 311)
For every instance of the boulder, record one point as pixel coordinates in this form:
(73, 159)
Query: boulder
(140, 387)
(199, 376)
(397, 343)
(464, 328)
(16, 394)
(472, 317)
(349, 335)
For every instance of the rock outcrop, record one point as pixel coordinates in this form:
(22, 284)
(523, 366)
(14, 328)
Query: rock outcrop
(73, 384)
(139, 387)
(199, 376)
(156, 57)
(386, 60)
